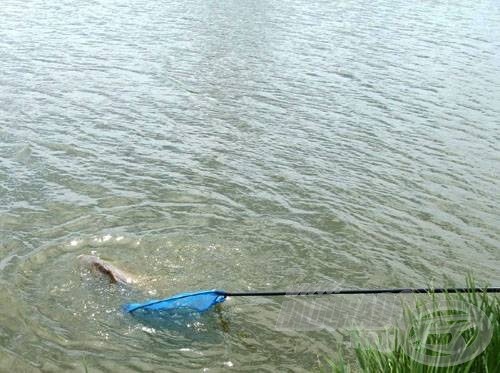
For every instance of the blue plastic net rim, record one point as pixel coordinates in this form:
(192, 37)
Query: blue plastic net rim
(139, 306)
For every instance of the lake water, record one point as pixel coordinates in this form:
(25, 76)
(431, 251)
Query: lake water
(241, 145)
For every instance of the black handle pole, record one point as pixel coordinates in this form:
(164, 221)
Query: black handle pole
(364, 291)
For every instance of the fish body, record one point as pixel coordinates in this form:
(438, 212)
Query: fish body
(114, 274)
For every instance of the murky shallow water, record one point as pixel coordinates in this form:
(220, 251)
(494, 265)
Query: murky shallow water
(236, 145)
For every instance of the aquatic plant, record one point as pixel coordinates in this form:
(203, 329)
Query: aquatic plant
(447, 327)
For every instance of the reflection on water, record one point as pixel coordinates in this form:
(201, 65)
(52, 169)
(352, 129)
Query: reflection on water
(235, 145)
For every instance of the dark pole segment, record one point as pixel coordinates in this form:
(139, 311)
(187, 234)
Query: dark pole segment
(364, 291)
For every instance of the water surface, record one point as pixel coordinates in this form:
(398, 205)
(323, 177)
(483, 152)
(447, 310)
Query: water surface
(251, 145)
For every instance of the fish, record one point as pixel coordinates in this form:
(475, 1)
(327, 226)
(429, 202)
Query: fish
(115, 275)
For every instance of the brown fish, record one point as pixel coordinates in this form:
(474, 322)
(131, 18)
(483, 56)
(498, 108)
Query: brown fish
(114, 274)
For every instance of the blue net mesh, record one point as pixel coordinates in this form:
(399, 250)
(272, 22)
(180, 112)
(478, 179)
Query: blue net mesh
(197, 301)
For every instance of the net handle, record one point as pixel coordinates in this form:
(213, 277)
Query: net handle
(362, 291)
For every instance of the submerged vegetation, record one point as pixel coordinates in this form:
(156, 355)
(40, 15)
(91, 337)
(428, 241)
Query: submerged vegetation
(448, 333)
